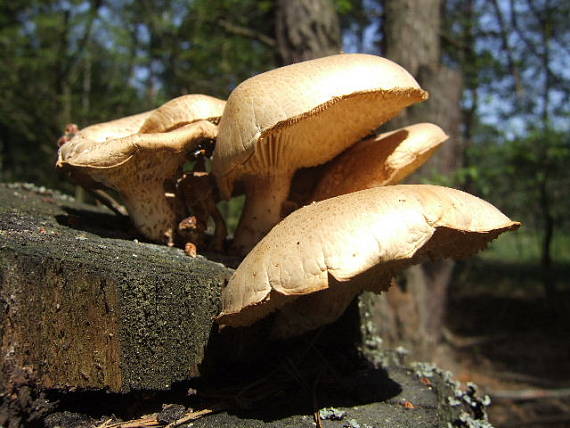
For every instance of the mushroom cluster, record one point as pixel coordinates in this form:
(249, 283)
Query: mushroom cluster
(358, 228)
(300, 116)
(141, 157)
(297, 140)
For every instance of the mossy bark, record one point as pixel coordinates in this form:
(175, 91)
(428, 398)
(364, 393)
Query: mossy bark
(86, 306)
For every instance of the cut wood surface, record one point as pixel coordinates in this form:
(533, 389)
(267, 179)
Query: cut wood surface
(86, 305)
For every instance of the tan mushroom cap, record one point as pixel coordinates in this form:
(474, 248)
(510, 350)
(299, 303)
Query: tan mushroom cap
(316, 260)
(140, 165)
(182, 111)
(379, 161)
(304, 114)
(118, 128)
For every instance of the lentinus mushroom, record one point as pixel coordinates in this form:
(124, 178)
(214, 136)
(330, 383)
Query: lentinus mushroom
(298, 116)
(141, 157)
(312, 264)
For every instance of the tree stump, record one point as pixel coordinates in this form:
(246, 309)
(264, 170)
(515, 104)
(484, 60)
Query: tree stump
(86, 306)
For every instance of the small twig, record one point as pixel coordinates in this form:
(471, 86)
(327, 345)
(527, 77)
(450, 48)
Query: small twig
(108, 201)
(151, 421)
(246, 32)
(316, 407)
(148, 421)
(535, 380)
(530, 394)
(317, 417)
(556, 419)
(468, 342)
(191, 416)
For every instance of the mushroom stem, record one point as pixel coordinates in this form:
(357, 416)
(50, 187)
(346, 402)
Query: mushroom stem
(264, 199)
(154, 216)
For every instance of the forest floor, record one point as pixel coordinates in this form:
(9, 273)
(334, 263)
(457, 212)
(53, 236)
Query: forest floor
(505, 337)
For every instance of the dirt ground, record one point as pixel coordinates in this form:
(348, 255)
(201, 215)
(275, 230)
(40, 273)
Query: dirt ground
(502, 334)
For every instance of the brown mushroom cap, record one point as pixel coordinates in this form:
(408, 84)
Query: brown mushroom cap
(327, 252)
(140, 165)
(298, 116)
(379, 161)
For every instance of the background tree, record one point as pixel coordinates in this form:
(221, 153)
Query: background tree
(413, 311)
(306, 29)
(514, 54)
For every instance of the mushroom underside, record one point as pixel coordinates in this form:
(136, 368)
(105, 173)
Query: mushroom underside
(382, 160)
(301, 142)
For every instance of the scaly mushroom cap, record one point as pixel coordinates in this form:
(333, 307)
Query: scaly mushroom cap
(316, 260)
(140, 165)
(304, 114)
(379, 161)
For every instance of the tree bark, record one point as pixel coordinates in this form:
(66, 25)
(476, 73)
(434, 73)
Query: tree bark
(306, 29)
(412, 312)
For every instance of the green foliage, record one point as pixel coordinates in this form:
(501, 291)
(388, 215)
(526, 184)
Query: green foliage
(92, 61)
(54, 73)
(525, 247)
(218, 56)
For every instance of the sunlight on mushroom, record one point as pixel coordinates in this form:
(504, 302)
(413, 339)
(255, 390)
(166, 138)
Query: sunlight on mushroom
(380, 161)
(313, 263)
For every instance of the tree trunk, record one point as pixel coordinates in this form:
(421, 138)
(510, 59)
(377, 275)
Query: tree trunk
(412, 312)
(306, 29)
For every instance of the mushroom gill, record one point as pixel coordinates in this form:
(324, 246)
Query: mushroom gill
(383, 160)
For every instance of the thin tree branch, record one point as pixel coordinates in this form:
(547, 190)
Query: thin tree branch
(247, 32)
(514, 21)
(77, 55)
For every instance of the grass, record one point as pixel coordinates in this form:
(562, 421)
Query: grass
(523, 246)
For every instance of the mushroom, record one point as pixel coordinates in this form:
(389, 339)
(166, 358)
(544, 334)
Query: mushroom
(102, 132)
(183, 111)
(312, 264)
(141, 157)
(298, 116)
(379, 161)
